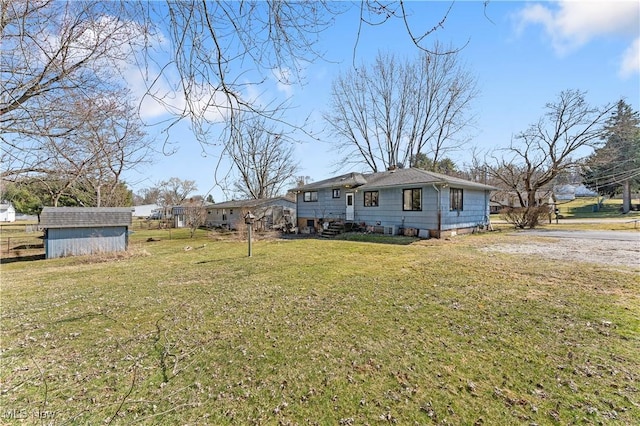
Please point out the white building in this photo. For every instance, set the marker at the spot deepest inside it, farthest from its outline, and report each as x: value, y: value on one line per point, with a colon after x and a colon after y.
x: 7, y: 212
x: 145, y: 210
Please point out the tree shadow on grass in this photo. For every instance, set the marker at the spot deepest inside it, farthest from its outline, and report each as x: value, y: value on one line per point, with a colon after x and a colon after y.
x: 15, y: 259
x: 377, y: 238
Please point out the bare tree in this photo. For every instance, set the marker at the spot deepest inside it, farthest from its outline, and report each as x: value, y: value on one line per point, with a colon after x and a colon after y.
x: 148, y: 195
x: 387, y: 114
x: 175, y: 190
x: 195, y: 214
x: 536, y: 156
x: 100, y: 142
x: 219, y: 49
x: 223, y: 53
x: 116, y: 142
x: 48, y: 50
x: 263, y: 157
x: 202, y: 60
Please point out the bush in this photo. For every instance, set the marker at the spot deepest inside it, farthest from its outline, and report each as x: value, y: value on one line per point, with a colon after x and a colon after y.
x: 524, y: 217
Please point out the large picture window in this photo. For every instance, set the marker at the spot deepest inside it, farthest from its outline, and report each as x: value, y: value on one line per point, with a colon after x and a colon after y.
x: 371, y: 198
x: 412, y: 199
x: 455, y: 199
x: 310, y: 196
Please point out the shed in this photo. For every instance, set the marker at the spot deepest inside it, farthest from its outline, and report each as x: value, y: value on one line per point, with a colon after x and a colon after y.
x: 7, y: 212
x: 75, y: 231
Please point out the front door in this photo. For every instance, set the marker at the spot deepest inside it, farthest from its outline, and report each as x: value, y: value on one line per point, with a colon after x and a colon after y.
x: 349, y: 211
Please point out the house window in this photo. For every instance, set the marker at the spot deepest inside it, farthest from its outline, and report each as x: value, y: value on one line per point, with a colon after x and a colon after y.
x: 455, y: 199
x: 371, y: 198
x: 412, y: 199
x: 310, y: 196
x: 336, y: 193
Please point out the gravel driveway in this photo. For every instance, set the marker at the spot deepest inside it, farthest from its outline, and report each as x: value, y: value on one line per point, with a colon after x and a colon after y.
x: 604, y: 247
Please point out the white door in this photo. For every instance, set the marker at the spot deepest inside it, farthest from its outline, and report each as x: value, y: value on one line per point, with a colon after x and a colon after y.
x: 349, y: 211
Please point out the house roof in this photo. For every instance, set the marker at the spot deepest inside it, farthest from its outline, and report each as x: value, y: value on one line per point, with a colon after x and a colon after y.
x: 349, y: 180
x: 390, y: 178
x: 84, y: 217
x: 251, y: 203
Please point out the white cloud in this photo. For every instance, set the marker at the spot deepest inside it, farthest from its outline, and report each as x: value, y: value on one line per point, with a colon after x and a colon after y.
x: 631, y: 60
x: 161, y: 94
x: 283, y: 80
x: 572, y: 24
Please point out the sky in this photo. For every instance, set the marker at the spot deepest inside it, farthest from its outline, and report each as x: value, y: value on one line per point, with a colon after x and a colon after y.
x: 523, y: 54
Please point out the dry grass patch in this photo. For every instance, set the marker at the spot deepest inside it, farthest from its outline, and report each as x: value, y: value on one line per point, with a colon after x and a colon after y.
x: 321, y: 332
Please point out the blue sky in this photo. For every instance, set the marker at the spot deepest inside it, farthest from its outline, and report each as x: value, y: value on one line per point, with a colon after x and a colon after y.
x: 523, y: 55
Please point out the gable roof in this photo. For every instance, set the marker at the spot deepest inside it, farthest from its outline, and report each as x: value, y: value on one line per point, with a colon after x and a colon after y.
x: 391, y: 178
x: 349, y: 180
x: 251, y: 203
x: 84, y: 217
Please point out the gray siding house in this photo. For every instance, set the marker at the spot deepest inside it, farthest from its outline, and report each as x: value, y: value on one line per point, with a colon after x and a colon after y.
x: 399, y: 201
x: 74, y: 231
x: 269, y: 212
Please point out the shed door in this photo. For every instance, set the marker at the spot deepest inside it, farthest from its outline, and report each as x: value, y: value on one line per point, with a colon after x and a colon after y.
x: 349, y: 211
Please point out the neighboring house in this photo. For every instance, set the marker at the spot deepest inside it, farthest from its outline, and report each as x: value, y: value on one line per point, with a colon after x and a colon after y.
x: 501, y: 199
x: 7, y: 212
x: 571, y: 191
x: 183, y: 216
x: 73, y: 231
x: 408, y: 201
x: 145, y: 210
x: 277, y: 212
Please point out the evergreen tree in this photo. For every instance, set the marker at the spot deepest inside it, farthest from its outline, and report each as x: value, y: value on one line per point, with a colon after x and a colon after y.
x: 615, y: 167
x: 445, y: 165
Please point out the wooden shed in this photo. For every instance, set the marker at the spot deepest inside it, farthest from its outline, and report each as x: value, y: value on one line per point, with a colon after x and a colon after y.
x: 74, y: 231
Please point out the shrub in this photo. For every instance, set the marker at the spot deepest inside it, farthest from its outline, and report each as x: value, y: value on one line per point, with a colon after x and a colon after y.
x: 524, y: 217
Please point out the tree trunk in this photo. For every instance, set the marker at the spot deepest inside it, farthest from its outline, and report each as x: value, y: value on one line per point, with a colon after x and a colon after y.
x: 626, y: 196
x: 99, y: 196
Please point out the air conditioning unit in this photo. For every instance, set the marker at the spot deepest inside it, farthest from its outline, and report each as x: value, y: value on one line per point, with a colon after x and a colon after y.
x: 390, y: 230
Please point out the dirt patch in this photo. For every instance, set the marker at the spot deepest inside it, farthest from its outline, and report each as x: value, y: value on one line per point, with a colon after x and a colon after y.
x: 576, y: 249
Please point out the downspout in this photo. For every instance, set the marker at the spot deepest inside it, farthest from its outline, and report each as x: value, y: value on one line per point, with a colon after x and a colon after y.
x: 439, y: 214
x: 487, y: 211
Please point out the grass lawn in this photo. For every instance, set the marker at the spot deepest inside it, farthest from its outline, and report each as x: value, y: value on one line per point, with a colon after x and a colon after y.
x: 310, y: 331
x: 586, y: 207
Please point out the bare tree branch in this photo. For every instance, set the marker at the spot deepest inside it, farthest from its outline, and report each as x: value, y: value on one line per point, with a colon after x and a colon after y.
x: 263, y: 157
x: 537, y: 155
x: 388, y: 113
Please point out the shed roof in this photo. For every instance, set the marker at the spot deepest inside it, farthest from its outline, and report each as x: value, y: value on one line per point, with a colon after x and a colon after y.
x: 84, y: 217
